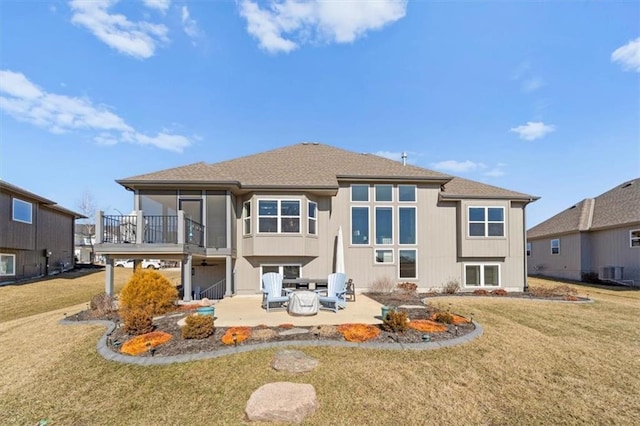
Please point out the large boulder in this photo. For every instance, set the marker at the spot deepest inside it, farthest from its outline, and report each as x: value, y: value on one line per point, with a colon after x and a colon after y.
x: 282, y: 402
x: 293, y: 361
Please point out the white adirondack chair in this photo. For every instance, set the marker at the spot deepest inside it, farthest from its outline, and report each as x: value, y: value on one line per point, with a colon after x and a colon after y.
x: 272, y: 290
x: 335, y: 293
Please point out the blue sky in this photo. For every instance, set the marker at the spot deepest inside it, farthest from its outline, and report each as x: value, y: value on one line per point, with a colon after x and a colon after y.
x: 538, y: 97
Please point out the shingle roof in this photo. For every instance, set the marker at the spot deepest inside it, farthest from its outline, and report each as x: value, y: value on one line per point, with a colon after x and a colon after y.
x: 616, y: 207
x: 311, y: 165
x: 8, y: 187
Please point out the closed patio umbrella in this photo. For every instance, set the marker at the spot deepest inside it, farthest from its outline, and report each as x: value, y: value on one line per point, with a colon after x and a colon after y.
x: 339, y: 252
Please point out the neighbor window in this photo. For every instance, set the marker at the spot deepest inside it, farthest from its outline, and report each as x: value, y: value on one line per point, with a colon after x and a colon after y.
x: 407, y: 264
x: 359, y: 225
x: 246, y: 214
x: 407, y: 193
x: 486, y: 221
x: 22, y: 211
x: 407, y: 224
x: 7, y: 264
x: 528, y: 249
x: 555, y: 246
x: 384, y: 192
x: 384, y: 256
x: 313, y: 218
x: 384, y: 225
x: 279, y: 216
x: 481, y: 275
x: 359, y: 192
x: 634, y: 238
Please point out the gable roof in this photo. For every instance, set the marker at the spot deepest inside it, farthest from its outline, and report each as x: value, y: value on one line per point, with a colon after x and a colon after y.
x: 617, y: 207
x: 7, y: 187
x: 310, y: 166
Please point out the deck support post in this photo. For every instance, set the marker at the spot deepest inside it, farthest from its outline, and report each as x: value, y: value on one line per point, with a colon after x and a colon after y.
x: 108, y: 276
x: 228, y: 276
x: 187, y: 264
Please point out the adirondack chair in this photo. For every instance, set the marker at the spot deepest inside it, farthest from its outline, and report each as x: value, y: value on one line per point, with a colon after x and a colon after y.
x: 272, y: 290
x: 335, y: 293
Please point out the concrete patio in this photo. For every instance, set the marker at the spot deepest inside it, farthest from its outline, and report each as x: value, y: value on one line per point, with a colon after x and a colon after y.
x: 247, y: 311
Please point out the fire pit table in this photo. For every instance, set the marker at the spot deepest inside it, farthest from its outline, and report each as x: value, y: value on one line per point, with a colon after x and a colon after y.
x: 303, y: 303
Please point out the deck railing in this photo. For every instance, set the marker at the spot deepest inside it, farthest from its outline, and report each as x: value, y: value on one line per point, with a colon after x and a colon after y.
x: 215, y: 292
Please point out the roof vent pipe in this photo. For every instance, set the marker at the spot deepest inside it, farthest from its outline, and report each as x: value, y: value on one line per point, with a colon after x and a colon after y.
x: 404, y: 158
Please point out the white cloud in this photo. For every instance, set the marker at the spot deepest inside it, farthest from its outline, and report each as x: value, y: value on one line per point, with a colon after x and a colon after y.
x: 628, y: 56
x: 532, y: 84
x: 25, y: 101
x: 189, y: 25
x: 458, y: 166
x: 137, y: 39
x: 495, y: 172
x: 533, y: 130
x: 161, y: 5
x: 283, y: 26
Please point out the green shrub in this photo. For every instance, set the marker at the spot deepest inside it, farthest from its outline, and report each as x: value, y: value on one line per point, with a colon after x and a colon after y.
x: 198, y: 327
x: 150, y: 291
x: 395, y: 321
x: 136, y: 321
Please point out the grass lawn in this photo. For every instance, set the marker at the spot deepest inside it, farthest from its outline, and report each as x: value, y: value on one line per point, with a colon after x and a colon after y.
x: 537, y: 363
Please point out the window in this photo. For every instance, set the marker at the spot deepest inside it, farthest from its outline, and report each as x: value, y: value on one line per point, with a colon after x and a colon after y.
x: 634, y: 238
x: 287, y: 271
x: 384, y: 192
x: 246, y: 214
x: 555, y: 246
x: 22, y: 211
x: 384, y: 256
x: 407, y: 224
x: 359, y: 225
x: 313, y: 218
x: 486, y: 221
x: 7, y: 264
x: 408, y: 264
x: 384, y: 225
x: 528, y: 249
x: 407, y: 193
x: 482, y: 275
x: 359, y: 192
x: 279, y: 216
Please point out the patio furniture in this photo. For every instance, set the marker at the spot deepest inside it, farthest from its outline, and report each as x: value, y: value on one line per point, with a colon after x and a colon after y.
x: 303, y: 303
x: 351, y: 291
x: 335, y: 293
x: 272, y: 290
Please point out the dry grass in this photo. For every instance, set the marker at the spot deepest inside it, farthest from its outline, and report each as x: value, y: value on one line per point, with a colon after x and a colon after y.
x: 537, y: 363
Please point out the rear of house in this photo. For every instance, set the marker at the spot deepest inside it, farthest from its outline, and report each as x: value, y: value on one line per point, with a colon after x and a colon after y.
x: 36, y: 235
x: 281, y: 211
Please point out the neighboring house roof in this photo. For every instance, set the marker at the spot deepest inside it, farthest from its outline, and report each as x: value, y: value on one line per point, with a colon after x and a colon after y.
x: 7, y: 187
x: 311, y: 166
x: 619, y: 206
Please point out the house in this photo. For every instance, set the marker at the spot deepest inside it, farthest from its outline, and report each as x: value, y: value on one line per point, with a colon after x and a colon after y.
x: 597, y: 237
x: 280, y: 211
x: 84, y: 238
x: 36, y: 235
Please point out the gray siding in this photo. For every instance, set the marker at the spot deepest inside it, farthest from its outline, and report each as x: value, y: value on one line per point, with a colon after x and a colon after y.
x: 611, y: 248
x: 564, y: 265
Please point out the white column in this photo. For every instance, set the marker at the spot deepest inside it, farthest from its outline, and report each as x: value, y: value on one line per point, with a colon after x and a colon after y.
x: 228, y: 276
x: 181, y: 234
x: 139, y: 227
x: 187, y: 264
x: 108, y: 276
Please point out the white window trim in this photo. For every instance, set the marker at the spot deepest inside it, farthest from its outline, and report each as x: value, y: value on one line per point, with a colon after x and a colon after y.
x: 375, y: 228
x: 375, y: 193
x: 279, y: 217
x: 309, y: 218
x: 13, y: 210
x: 486, y: 222
x: 417, y: 270
x: 245, y: 218
x: 528, y: 249
x: 280, y: 269
x: 631, y: 238
x: 415, y: 194
x: 393, y: 260
x: 551, y: 246
x: 368, y: 192
x: 415, y: 217
x: 368, y: 226
x: 482, y: 284
x: 13, y: 256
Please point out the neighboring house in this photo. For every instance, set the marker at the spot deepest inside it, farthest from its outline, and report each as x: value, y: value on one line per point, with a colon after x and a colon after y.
x: 230, y: 222
x: 596, y: 236
x: 36, y: 235
x: 84, y: 238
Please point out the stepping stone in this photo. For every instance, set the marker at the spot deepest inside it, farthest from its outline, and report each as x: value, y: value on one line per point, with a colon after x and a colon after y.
x: 282, y: 402
x: 293, y: 361
x: 293, y: 332
x: 412, y: 307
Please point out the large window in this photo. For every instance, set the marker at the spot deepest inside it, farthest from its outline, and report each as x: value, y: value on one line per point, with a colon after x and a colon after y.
x: 279, y: 216
x: 634, y: 238
x: 384, y: 225
x: 7, y: 264
x: 528, y: 249
x: 555, y: 246
x: 359, y: 192
x: 407, y: 193
x: 313, y: 218
x: 486, y: 221
x: 407, y: 264
x: 22, y: 211
x: 359, y: 225
x: 407, y: 224
x: 384, y: 192
x: 246, y: 217
x: 482, y: 275
x: 384, y: 256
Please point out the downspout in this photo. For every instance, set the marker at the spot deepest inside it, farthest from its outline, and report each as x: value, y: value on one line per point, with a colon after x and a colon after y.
x: 524, y: 235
